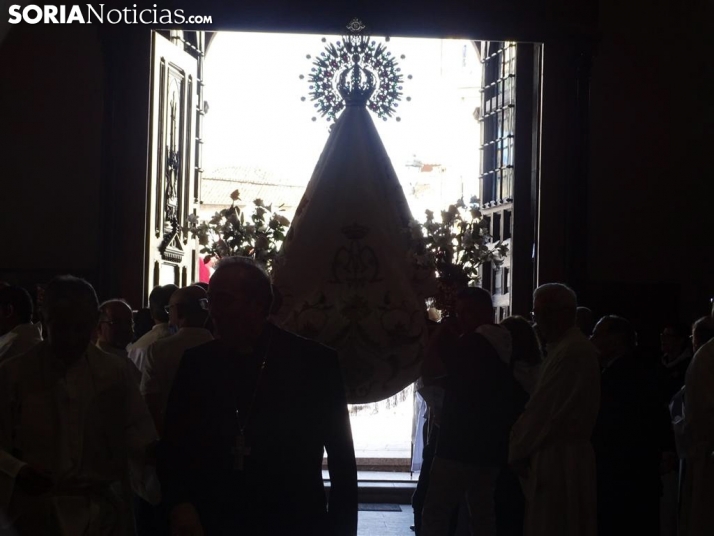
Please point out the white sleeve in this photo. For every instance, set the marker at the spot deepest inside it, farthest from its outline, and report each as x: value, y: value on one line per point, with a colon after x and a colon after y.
x: 138, y: 357
x: 150, y: 383
x: 140, y: 433
x: 544, y: 414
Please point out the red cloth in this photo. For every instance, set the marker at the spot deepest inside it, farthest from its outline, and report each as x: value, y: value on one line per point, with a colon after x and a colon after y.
x: 204, y: 274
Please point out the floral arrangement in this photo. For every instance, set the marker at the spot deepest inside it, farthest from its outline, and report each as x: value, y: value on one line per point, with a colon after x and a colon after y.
x: 233, y: 232
x: 454, y: 247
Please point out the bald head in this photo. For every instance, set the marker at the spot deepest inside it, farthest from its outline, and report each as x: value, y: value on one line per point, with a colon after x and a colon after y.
x: 186, y: 309
x: 110, y: 308
x: 247, y: 278
x: 554, y: 308
x: 190, y: 296
x: 557, y: 295
x: 240, y: 297
x: 70, y: 313
x: 116, y: 323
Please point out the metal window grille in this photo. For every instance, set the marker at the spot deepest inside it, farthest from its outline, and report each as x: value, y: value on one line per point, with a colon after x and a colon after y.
x: 498, y: 120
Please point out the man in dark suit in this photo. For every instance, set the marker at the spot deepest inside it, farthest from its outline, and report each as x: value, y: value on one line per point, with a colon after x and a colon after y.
x: 478, y: 412
x: 249, y: 417
x: 627, y: 435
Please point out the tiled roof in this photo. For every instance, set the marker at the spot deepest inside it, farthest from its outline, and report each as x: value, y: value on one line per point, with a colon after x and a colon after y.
x: 252, y: 183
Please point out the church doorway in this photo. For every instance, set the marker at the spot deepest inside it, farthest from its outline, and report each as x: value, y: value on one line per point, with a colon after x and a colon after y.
x: 229, y: 116
x: 260, y: 135
x: 260, y: 139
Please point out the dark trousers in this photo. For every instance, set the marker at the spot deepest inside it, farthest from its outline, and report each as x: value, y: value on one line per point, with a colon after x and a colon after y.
x: 510, y: 504
x: 150, y: 520
x: 627, y: 507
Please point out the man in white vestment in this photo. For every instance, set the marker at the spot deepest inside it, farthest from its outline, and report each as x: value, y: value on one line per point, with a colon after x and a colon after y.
x: 72, y: 423
x: 187, y: 314
x: 17, y: 332
x: 550, y: 443
x: 699, y: 426
x: 158, y: 302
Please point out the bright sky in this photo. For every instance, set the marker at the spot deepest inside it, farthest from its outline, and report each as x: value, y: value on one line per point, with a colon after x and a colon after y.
x: 256, y: 117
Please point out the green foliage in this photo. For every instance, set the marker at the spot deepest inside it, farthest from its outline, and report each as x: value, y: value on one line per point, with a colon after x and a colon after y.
x: 232, y: 232
x: 456, y: 245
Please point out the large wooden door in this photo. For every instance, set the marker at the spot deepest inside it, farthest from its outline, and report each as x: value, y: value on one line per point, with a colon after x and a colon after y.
x: 171, y: 253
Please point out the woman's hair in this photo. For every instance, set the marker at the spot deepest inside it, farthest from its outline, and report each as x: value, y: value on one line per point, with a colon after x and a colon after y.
x: 526, y: 347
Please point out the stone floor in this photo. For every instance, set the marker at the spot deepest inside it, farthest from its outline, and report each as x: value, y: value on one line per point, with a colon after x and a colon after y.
x: 398, y: 523
x: 381, y: 476
x: 386, y: 435
x: 386, y: 523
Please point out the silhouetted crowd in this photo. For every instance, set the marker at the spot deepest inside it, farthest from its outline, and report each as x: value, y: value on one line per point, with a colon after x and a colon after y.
x: 563, y: 425
x: 196, y: 416
x: 199, y: 416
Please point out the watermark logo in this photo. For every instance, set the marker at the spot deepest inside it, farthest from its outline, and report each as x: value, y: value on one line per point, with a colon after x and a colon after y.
x: 97, y: 14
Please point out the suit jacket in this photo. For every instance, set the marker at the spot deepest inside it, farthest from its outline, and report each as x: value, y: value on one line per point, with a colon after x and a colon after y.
x: 298, y: 412
x: 626, y: 437
x: 481, y: 404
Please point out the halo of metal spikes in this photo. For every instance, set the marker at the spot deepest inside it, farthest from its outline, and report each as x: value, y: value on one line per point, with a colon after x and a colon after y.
x: 355, y: 70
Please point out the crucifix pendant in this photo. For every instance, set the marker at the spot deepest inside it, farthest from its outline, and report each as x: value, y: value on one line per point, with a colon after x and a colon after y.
x: 240, y: 452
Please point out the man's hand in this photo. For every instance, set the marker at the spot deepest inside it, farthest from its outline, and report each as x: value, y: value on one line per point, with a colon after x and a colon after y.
x: 185, y: 521
x: 33, y: 481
